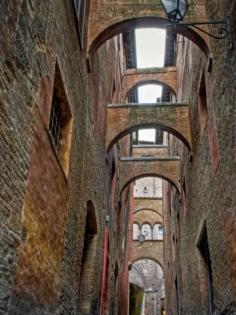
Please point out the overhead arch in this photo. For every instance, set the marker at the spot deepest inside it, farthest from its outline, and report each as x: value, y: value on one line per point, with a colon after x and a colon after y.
x: 160, y: 125
x: 149, y: 258
x: 148, y: 209
x: 166, y: 76
x: 122, y: 119
x: 148, y: 175
x: 124, y: 25
x: 144, y: 82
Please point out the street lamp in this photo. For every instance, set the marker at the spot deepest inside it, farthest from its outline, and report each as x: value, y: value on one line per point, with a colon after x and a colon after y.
x: 177, y: 9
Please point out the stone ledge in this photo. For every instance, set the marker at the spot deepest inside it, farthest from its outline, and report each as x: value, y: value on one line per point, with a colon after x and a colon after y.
x: 149, y: 158
x: 161, y: 104
x: 135, y: 71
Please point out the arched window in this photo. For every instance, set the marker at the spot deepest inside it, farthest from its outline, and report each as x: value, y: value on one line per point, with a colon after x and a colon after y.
x: 146, y: 231
x: 158, y: 231
x: 136, y: 231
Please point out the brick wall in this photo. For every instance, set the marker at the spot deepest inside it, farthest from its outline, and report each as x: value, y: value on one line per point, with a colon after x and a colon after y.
x: 209, y: 180
x: 43, y: 213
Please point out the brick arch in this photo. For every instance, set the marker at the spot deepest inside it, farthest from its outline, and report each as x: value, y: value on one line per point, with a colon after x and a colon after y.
x: 166, y: 128
x: 136, y: 222
x: 147, y: 82
x: 171, y: 181
x: 158, y: 222
x: 122, y: 119
x: 146, y: 222
x: 101, y: 33
x: 149, y: 258
x: 149, y: 209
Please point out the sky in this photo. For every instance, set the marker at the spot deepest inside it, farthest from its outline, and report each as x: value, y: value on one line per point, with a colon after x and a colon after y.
x: 150, y: 47
x: 150, y: 50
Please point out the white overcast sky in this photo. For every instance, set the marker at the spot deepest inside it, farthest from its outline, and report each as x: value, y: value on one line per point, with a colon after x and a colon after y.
x: 150, y: 50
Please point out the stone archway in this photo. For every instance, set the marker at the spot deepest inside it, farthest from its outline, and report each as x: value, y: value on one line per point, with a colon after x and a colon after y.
x: 107, y: 23
x: 171, y: 117
x: 135, y: 78
x: 132, y: 169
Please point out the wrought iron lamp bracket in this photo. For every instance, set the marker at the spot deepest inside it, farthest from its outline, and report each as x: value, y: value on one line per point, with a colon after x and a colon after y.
x: 223, y: 29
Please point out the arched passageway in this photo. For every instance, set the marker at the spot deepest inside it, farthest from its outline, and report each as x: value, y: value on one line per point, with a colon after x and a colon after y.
x: 146, y: 278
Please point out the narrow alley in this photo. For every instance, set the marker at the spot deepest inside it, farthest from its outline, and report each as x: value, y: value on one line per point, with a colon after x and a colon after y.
x: 118, y: 157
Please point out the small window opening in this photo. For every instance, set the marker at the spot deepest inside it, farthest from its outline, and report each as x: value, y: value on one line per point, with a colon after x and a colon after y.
x: 158, y: 232
x: 177, y: 296
x: 202, y: 104
x: 185, y: 204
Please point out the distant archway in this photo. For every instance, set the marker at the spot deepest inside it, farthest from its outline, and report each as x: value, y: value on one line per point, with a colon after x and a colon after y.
x: 148, y: 209
x: 147, y: 82
x: 148, y: 175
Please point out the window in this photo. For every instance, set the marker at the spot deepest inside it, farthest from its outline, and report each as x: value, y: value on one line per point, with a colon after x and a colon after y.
x: 202, y: 104
x: 136, y: 231
x: 177, y: 296
x: 80, y: 12
x: 158, y: 231
x: 60, y: 123
x: 185, y: 203
x: 146, y: 231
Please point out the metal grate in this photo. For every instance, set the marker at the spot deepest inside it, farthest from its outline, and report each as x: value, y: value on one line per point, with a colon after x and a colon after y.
x: 55, y: 123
